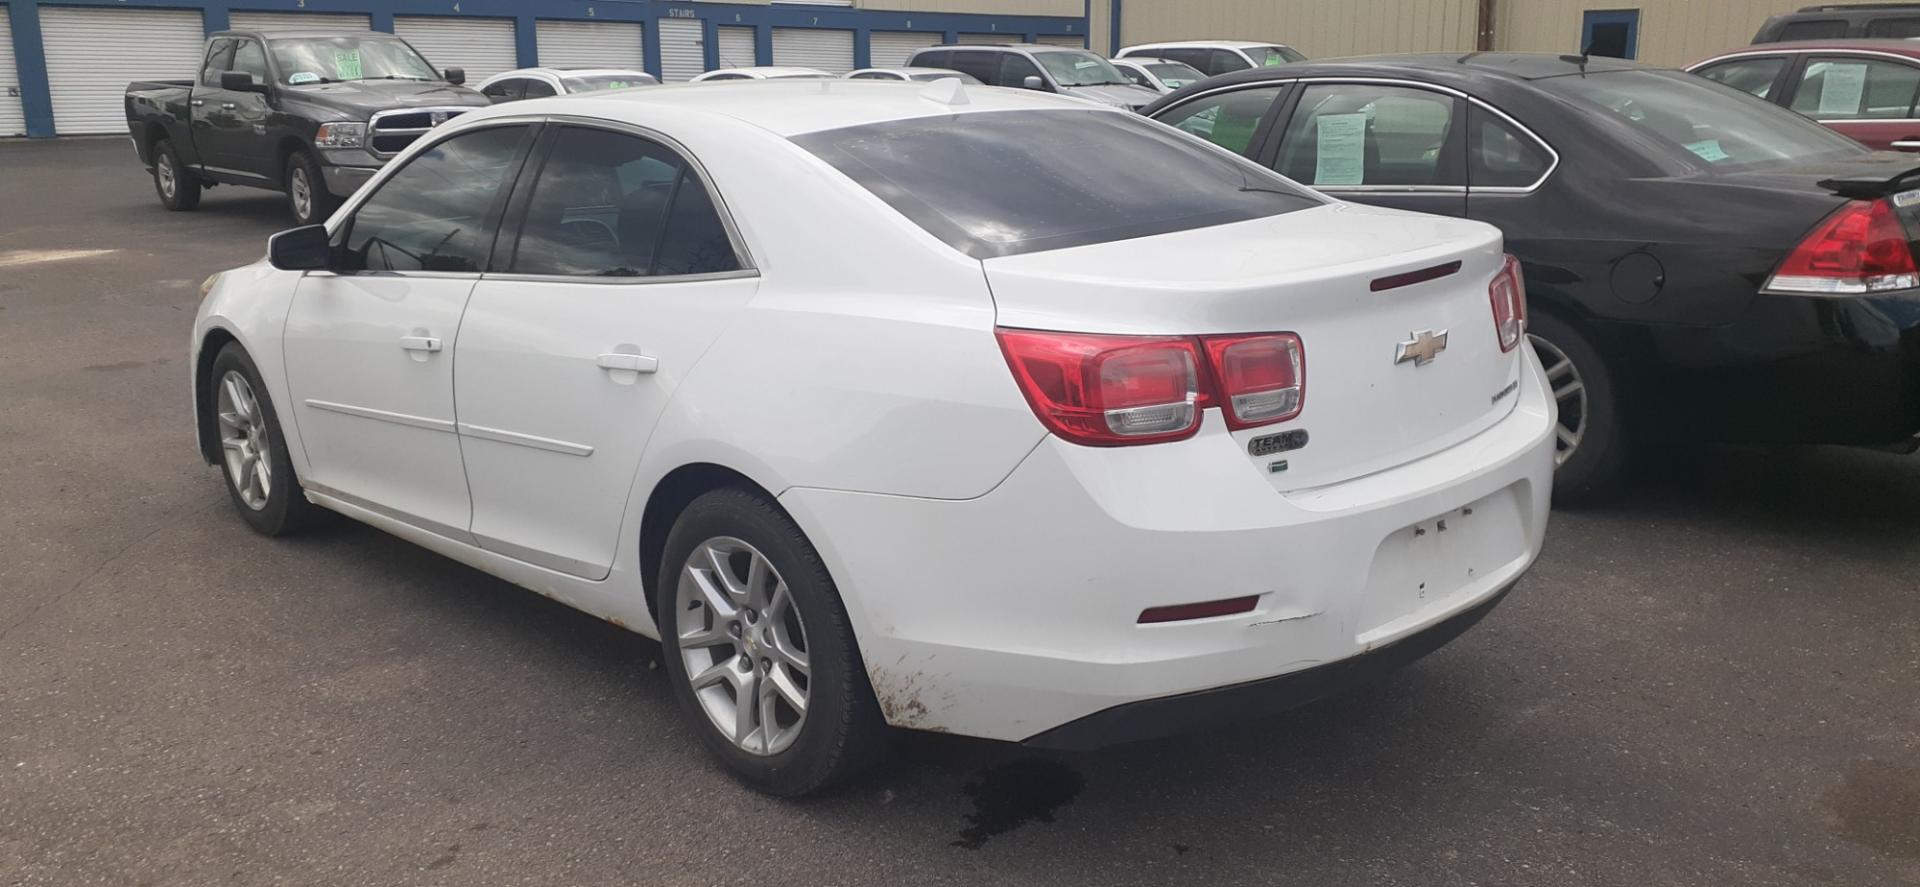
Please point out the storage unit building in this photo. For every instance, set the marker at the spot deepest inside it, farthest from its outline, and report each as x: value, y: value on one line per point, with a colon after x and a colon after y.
x: 91, y: 53
x: 482, y: 47
x: 891, y: 49
x: 829, y: 50
x: 592, y: 44
x: 13, y: 118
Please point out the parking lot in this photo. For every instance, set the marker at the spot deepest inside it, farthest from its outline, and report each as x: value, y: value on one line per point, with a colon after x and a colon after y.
x: 1713, y: 680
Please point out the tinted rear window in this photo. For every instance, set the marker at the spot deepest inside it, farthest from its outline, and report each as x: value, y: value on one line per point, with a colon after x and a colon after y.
x: 1001, y: 183
x: 1813, y: 29
x: 1703, y: 120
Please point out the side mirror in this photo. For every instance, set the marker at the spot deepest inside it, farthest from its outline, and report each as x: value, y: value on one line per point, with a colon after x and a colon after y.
x: 455, y: 76
x: 240, y: 81
x: 1033, y: 82
x: 307, y: 248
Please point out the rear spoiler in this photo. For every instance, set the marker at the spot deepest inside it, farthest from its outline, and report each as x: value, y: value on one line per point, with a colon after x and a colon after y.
x: 1869, y: 188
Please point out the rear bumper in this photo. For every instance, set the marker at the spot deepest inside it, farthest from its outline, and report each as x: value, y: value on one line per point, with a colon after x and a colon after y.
x: 1790, y: 370
x: 1222, y: 706
x: 1016, y: 613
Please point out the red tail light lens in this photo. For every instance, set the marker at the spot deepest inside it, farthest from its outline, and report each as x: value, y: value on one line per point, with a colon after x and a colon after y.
x: 1508, y: 291
x: 1108, y: 390
x: 1861, y: 248
x: 1263, y: 379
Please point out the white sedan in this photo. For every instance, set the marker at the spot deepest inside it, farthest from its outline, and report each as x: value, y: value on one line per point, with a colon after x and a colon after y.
x: 911, y: 407
x: 763, y: 72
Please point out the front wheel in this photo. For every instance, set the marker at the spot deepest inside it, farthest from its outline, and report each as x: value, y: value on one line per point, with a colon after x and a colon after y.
x: 307, y: 195
x: 1590, y: 450
x: 759, y: 648
x: 178, y: 188
x: 254, y: 457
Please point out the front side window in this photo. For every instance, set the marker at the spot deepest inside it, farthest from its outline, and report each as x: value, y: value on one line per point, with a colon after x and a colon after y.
x: 1856, y: 89
x: 1223, y: 61
x: 249, y: 58
x: 1078, y: 68
x: 1351, y: 134
x: 219, y: 56
x: 608, y: 204
x: 1270, y: 56
x: 345, y: 57
x: 1697, y: 119
x: 505, y: 90
x: 1002, y: 183
x: 1753, y: 76
x: 1134, y: 74
x: 436, y: 213
x: 1500, y: 155
x: 1016, y: 68
x: 1175, y: 74
x: 1229, y: 119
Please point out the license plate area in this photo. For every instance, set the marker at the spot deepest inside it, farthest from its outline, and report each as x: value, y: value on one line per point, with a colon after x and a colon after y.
x: 1420, y: 570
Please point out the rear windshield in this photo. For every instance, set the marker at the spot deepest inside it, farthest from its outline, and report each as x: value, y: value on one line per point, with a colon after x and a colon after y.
x: 1002, y: 183
x: 1703, y: 120
x: 597, y: 82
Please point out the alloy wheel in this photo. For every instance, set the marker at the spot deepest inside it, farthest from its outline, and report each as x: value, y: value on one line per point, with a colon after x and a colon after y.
x: 743, y: 645
x: 163, y: 170
x: 243, y: 441
x: 301, y: 191
x: 1570, y: 392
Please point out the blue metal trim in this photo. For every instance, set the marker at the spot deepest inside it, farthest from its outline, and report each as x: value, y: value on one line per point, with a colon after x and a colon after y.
x: 763, y: 44
x: 650, y: 46
x: 709, y: 44
x: 525, y: 44
x: 36, y: 100
x: 1113, y: 27
x: 214, y: 18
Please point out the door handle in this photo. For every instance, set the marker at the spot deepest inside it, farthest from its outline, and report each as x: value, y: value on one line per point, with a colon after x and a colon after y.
x: 420, y: 343
x: 632, y: 363
x: 1907, y: 145
x: 198, y: 103
x: 228, y: 105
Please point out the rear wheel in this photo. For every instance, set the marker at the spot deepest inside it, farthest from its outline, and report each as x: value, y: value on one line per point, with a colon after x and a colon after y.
x: 307, y: 195
x: 177, y: 186
x: 1590, y: 451
x: 759, y: 648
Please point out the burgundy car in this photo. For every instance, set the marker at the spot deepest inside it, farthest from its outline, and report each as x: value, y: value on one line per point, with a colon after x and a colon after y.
x: 1864, y: 88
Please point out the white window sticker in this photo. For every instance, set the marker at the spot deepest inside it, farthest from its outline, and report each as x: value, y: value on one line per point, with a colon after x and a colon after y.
x: 1342, y: 150
x: 1840, y: 89
x: 1708, y: 150
x: 303, y: 77
x: 1905, y: 199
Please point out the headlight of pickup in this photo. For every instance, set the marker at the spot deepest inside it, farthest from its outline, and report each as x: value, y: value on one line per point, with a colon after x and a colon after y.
x: 340, y: 135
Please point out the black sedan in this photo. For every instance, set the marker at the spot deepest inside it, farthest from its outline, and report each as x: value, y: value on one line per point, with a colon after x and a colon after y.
x: 1700, y: 264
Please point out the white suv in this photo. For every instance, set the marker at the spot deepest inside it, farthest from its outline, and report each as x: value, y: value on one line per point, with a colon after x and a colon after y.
x: 1215, y: 57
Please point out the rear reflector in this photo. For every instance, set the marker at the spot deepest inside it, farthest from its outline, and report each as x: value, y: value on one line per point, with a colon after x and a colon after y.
x: 1508, y: 292
x: 1203, y: 610
x: 1412, y: 277
x: 1861, y: 248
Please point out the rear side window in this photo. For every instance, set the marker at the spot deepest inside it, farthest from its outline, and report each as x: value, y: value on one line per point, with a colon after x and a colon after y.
x: 1003, y: 183
x: 1700, y: 120
x: 1751, y: 76
x: 981, y: 65
x: 1813, y: 29
x: 1499, y: 155
x: 1856, y: 89
x: 1348, y: 134
x: 1220, y: 61
x: 1898, y: 28
x: 939, y: 58
x: 437, y: 212
x: 539, y: 89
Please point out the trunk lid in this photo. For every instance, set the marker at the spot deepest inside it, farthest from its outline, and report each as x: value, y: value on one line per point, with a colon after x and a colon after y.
x: 1312, y: 273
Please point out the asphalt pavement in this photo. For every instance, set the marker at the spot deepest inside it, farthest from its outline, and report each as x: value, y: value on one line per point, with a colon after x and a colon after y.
x: 1713, y: 680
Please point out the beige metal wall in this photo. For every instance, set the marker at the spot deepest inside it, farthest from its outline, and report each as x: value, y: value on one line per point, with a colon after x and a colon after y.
x: 1073, y: 8
x: 1672, y: 32
x: 1319, y: 28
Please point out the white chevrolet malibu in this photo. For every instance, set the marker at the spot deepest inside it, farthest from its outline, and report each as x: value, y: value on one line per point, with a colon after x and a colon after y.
x: 971, y: 410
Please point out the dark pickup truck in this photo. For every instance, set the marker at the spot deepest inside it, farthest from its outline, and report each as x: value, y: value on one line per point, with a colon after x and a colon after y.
x: 309, y: 113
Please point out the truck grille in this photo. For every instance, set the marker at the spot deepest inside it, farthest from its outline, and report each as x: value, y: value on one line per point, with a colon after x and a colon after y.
x: 391, y: 131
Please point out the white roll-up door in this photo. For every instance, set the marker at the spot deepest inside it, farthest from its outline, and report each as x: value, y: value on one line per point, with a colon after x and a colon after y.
x: 736, y: 48
x: 1064, y: 40
x: 482, y: 47
x: 682, y: 52
x: 829, y: 50
x: 93, y: 52
x: 989, y: 38
x: 592, y: 44
x: 268, y: 21
x: 13, y: 120
x: 891, y: 49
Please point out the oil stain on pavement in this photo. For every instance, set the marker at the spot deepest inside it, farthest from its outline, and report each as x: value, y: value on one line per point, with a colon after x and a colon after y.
x: 1879, y: 807
x: 1010, y: 795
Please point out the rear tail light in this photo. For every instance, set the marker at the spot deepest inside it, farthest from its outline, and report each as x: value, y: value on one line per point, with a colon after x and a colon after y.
x: 1120, y: 390
x: 1508, y: 291
x: 1861, y: 248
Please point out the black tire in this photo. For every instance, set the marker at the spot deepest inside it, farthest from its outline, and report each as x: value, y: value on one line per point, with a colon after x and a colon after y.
x: 319, y: 203
x: 285, y: 509
x: 843, y: 732
x: 1595, y: 468
x: 178, y: 187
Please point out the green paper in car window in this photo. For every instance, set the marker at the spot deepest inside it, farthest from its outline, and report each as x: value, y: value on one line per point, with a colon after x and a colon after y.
x: 346, y: 65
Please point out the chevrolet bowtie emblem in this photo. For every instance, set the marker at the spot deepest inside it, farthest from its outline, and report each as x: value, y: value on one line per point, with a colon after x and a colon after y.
x: 1421, y: 348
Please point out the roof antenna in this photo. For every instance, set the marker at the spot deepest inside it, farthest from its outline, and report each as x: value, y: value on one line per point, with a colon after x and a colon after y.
x: 946, y: 91
x: 1580, y: 59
